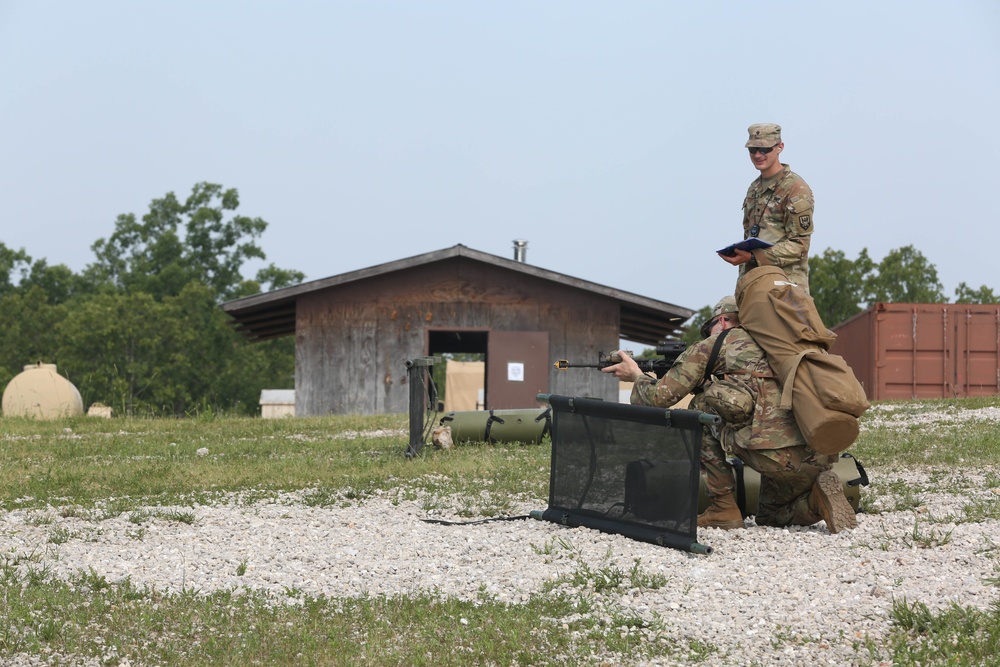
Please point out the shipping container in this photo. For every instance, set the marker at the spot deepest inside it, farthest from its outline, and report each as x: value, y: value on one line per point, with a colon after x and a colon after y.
x: 923, y: 350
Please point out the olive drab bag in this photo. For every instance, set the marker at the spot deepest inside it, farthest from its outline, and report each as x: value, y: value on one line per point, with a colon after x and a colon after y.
x: 729, y: 397
x: 820, y: 388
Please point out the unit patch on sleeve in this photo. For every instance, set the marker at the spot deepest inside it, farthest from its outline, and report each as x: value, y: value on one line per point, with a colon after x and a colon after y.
x: 805, y: 222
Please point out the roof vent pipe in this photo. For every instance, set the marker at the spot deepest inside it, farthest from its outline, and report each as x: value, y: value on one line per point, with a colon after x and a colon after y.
x: 520, y: 250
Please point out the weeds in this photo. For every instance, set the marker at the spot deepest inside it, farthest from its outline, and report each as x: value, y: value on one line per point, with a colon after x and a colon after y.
x: 90, y: 617
x: 955, y: 635
x: 639, y: 578
x: 926, y: 539
x: 981, y: 508
x: 148, y: 471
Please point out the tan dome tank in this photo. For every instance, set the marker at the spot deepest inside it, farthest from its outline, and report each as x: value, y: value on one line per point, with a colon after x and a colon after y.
x: 41, y: 393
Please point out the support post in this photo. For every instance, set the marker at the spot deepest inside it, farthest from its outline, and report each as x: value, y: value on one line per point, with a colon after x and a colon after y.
x: 417, y: 372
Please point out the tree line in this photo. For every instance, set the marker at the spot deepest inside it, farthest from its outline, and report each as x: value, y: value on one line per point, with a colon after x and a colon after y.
x: 843, y: 287
x: 140, y: 328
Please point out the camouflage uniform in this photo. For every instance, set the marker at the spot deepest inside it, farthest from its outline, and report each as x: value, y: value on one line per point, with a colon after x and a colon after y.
x: 781, y: 210
x: 768, y: 440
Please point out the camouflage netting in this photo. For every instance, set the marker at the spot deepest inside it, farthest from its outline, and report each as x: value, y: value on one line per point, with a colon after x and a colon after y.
x: 626, y: 469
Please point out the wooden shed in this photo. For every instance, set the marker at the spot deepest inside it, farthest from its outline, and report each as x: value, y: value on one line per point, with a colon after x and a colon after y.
x: 355, y: 331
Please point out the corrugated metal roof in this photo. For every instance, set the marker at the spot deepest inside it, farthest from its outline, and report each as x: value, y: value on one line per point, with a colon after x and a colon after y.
x: 271, y: 315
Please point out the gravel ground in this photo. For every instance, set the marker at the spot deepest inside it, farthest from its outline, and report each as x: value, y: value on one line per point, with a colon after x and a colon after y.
x: 765, y: 596
x: 820, y: 593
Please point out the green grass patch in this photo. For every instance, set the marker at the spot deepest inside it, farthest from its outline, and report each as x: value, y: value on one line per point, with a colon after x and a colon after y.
x: 154, y: 470
x: 900, y: 434
x: 91, y: 618
x: 955, y: 636
x: 86, y: 462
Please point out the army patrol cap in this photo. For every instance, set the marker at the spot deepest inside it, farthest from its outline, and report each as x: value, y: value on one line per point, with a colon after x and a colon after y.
x: 764, y: 135
x: 727, y: 304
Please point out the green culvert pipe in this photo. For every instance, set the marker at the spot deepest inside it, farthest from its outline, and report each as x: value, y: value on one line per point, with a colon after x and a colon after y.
x: 527, y: 426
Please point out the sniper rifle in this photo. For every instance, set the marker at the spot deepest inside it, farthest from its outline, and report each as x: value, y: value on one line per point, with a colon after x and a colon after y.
x: 668, y: 351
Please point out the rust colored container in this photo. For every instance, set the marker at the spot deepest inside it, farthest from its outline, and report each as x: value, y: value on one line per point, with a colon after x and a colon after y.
x: 923, y: 350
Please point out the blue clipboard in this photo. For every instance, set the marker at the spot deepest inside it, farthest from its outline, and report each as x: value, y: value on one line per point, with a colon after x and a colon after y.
x: 749, y: 244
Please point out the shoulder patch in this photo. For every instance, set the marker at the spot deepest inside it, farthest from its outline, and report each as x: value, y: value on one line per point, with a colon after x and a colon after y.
x: 799, y: 204
x: 805, y: 222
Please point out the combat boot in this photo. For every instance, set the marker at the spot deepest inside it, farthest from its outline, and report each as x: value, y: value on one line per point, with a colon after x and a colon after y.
x: 722, y: 513
x: 828, y: 500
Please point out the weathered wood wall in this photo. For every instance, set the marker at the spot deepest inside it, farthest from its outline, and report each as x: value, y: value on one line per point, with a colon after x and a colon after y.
x: 352, y: 341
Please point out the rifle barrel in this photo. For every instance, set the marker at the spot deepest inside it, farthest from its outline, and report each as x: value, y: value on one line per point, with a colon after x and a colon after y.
x: 668, y: 351
x: 562, y: 365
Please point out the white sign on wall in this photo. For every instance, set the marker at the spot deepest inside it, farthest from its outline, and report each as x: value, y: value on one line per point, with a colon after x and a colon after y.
x: 515, y: 371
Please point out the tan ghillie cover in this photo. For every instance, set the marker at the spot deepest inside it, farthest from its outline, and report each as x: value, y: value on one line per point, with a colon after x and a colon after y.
x: 820, y: 387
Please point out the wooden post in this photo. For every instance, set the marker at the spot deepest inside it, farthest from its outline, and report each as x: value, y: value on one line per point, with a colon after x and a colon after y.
x: 417, y: 375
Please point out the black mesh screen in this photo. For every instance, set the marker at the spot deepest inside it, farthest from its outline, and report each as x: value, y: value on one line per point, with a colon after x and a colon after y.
x: 626, y: 469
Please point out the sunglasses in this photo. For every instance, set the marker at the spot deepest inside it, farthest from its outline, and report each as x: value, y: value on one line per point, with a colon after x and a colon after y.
x: 707, y: 326
x: 762, y: 151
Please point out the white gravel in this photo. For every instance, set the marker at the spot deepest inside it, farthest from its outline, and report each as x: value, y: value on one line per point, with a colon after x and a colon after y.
x: 764, y: 597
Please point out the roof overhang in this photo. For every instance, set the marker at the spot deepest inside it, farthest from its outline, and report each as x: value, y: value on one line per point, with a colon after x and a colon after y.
x: 272, y: 315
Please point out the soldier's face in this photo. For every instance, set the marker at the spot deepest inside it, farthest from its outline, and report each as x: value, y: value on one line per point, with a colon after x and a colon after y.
x: 767, y: 164
x: 721, y: 323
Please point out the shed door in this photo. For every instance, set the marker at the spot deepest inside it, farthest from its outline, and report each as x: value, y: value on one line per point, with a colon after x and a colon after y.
x: 517, y: 369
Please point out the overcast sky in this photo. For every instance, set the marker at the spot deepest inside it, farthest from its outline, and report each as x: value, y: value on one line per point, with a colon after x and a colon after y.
x: 608, y: 135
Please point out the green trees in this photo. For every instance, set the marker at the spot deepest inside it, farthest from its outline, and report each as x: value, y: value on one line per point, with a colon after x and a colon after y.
x: 904, y: 276
x: 28, y: 334
x: 692, y: 332
x: 140, y: 328
x: 837, y: 284
x: 843, y: 288
x: 11, y: 261
x: 965, y: 294
x: 153, y: 256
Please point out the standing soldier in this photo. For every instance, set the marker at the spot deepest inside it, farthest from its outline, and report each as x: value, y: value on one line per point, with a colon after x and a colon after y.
x: 778, y: 208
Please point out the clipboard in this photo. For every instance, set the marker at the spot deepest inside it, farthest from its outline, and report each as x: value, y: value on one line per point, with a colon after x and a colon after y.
x: 750, y: 244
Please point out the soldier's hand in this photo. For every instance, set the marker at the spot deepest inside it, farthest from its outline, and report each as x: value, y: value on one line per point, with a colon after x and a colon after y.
x: 626, y: 369
x: 738, y: 257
